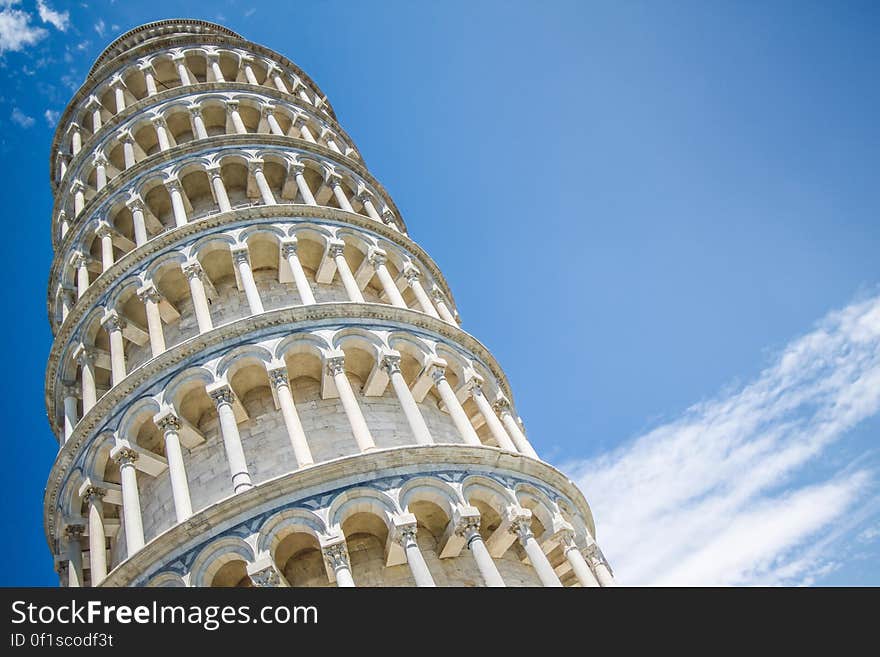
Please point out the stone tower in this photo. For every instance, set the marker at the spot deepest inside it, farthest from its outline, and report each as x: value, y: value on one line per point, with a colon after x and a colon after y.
x: 258, y: 378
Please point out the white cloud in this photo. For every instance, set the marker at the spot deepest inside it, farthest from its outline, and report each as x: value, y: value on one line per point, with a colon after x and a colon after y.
x: 711, y: 498
x: 100, y: 27
x: 51, y: 117
x: 60, y: 20
x: 16, y: 30
x: 21, y: 118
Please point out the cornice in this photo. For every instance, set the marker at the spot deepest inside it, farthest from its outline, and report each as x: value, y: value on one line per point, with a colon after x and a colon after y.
x: 149, y: 102
x: 331, y: 475
x: 298, y: 318
x: 96, y: 77
x: 210, y: 145
x: 123, y: 265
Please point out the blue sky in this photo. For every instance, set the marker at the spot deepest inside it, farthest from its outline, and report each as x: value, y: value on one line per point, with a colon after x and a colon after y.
x: 661, y: 217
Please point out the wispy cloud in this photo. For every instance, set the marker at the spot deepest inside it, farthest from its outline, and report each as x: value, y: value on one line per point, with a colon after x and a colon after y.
x: 719, y: 496
x: 51, y: 117
x: 100, y: 27
x: 60, y: 20
x: 16, y: 30
x: 21, y: 118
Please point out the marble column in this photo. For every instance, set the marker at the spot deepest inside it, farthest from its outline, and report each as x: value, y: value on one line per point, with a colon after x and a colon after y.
x: 296, y: 434
x: 469, y: 529
x: 131, y: 503
x: 337, y: 557
x: 495, y: 427
x: 94, y: 498
x: 256, y: 167
x: 442, y: 308
x: 127, y: 141
x: 136, y: 206
x: 73, y: 551
x: 406, y: 536
x: 198, y: 122
x: 502, y: 406
x: 235, y: 117
x: 336, y: 251
x: 391, y: 364
x: 243, y: 264
x: 288, y: 252
x: 413, y: 277
x: 459, y: 417
x: 521, y: 526
x: 114, y: 324
x: 175, y: 191
x: 170, y: 426
x: 105, y: 234
x: 223, y: 398
x: 362, y: 435
x: 577, y: 562
x: 214, y: 174
x: 600, y: 566
x: 303, y: 186
x: 86, y: 358
x: 150, y: 297
x: 161, y: 132
x: 335, y: 184
x: 378, y: 260
x: 194, y: 273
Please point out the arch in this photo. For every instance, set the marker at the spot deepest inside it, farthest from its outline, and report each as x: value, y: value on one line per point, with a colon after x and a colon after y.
x: 166, y: 580
x: 217, y: 554
x: 278, y: 526
x: 429, y: 489
x: 361, y: 500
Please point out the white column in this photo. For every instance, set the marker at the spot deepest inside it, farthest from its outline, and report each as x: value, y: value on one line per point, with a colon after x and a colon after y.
x: 223, y: 398
x: 577, y: 562
x: 362, y: 435
x: 279, y: 380
x: 214, y: 63
x: 149, y: 78
x: 182, y: 73
x: 194, y: 272
x: 337, y: 557
x: 378, y: 259
x: 495, y: 426
x: 175, y: 191
x: 73, y: 551
x: 288, y: 251
x: 406, y: 536
x: 79, y: 196
x: 75, y: 139
x: 94, y: 497
x: 86, y: 359
x: 68, y: 299
x: 303, y: 186
x: 600, y: 566
x: 161, y: 132
x: 302, y: 92
x: 262, y: 184
x: 100, y: 163
x: 469, y: 528
x: 274, y: 127
x: 214, y: 174
x: 118, y: 94
x: 198, y: 121
x: 169, y: 424
x: 513, y: 430
x: 327, y: 135
x: 237, y: 123
x: 240, y: 258
x: 369, y: 208
x: 336, y: 185
x: 127, y: 141
x: 459, y: 417
x: 413, y: 278
x: 304, y: 131
x: 136, y: 207
x: 65, y: 224
x: 81, y: 263
x: 391, y: 364
x: 249, y: 71
x: 131, y: 503
x: 95, y: 105
x: 521, y: 527
x: 105, y: 233
x: 442, y: 308
x: 335, y: 251
x: 150, y: 297
x: 274, y: 73
x: 114, y: 324
x: 70, y: 411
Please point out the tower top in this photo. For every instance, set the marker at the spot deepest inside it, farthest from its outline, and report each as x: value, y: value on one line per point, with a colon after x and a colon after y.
x: 156, y: 29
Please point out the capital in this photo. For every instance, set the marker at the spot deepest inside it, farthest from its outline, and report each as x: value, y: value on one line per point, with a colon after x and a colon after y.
x: 213, y: 171
x: 467, y: 527
x: 501, y: 406
x: 100, y: 160
x: 85, y: 355
x: 278, y: 377
x: 405, y: 534
x: 146, y: 66
x: 336, y: 249
x: 256, y: 166
x: 240, y: 255
x: 158, y: 121
x: 222, y: 395
x: 266, y: 578
x: 172, y: 185
x: 288, y: 248
x: 125, y: 137
x: 378, y: 259
x: 521, y: 525
x: 438, y: 373
x: 231, y: 106
x: 74, y: 532
x: 126, y: 456
x: 336, y: 555
x: 391, y: 363
x: 93, y: 103
x: 336, y: 365
x: 192, y: 269
x: 266, y: 109
x: 411, y: 274
x: 135, y: 204
x: 333, y: 181
x: 388, y: 216
x: 94, y: 494
x: 104, y: 230
x: 168, y: 421
x: 112, y: 321
x: 194, y: 110
x: 79, y: 260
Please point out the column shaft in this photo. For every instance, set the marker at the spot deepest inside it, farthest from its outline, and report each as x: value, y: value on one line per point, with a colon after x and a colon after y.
x: 459, y: 417
x: 131, y: 505
x: 299, y: 275
x: 241, y: 477
x: 97, y: 540
x: 359, y: 428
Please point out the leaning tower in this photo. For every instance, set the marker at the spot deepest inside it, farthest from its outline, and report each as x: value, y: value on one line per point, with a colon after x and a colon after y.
x: 257, y: 377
